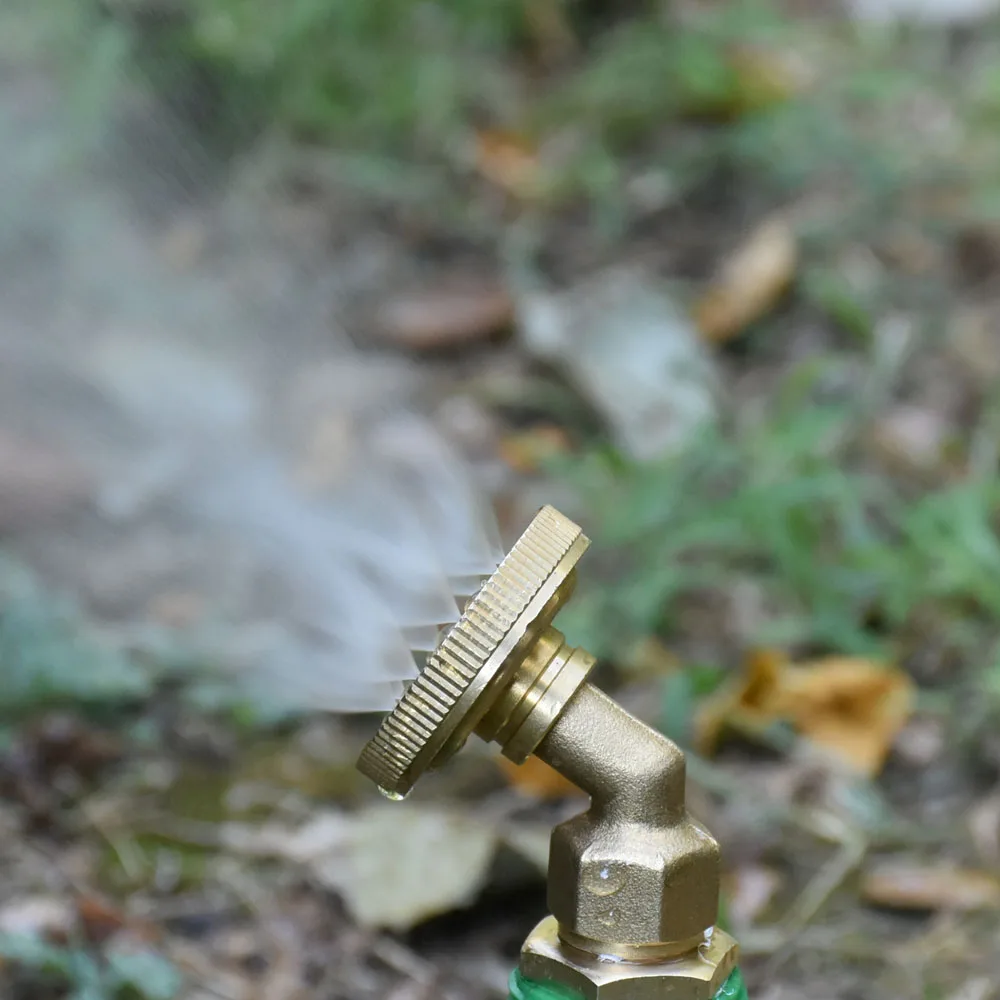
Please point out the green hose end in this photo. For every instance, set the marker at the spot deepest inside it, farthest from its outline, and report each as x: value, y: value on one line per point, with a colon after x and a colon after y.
x: 733, y: 988
x: 528, y: 989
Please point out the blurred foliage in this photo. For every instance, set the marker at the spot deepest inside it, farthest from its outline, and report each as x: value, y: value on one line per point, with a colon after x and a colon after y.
x: 398, y: 91
x: 49, y: 654
x: 118, y: 975
x: 722, y: 85
x: 786, y: 504
x: 783, y: 500
x: 387, y: 73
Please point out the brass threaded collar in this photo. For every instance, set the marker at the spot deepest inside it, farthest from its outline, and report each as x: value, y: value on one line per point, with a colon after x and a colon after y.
x: 445, y: 702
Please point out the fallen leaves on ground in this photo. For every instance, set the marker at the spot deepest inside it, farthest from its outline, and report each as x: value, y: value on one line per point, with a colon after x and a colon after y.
x: 453, y: 315
x: 395, y: 866
x: 749, y: 283
x: 510, y: 161
x: 51, y: 759
x: 527, y: 451
x: 631, y: 352
x: 851, y: 706
x: 101, y: 920
x: 537, y: 779
x: 913, y: 886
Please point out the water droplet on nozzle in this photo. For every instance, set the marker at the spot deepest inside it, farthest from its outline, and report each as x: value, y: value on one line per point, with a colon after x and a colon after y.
x: 391, y: 795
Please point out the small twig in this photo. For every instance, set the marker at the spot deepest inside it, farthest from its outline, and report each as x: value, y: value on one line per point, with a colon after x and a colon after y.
x: 824, y: 883
x: 401, y: 959
x: 817, y: 892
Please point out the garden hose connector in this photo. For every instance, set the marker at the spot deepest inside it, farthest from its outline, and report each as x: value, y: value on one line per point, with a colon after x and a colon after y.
x: 633, y: 884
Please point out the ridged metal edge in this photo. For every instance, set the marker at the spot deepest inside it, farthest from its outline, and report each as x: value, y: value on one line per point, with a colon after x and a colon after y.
x: 466, y: 648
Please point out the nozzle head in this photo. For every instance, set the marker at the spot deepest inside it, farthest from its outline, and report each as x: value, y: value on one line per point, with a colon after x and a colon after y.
x: 475, y: 659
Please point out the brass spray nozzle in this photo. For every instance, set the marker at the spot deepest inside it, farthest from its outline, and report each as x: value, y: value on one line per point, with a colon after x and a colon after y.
x: 634, y: 881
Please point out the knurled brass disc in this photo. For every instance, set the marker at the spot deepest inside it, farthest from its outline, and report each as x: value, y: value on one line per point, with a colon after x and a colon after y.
x: 449, y: 697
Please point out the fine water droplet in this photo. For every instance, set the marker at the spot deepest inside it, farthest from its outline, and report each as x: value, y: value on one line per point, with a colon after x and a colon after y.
x: 391, y: 795
x: 605, y: 882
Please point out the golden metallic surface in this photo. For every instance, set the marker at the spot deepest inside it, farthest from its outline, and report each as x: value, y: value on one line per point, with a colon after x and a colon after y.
x: 528, y: 707
x: 696, y: 975
x: 634, y: 869
x: 634, y: 881
x: 461, y: 678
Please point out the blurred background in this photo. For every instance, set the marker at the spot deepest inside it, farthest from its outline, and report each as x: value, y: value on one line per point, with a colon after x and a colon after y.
x: 305, y: 308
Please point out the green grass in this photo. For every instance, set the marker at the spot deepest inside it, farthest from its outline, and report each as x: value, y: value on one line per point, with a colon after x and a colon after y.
x: 847, y: 558
x: 50, y: 655
x: 407, y: 84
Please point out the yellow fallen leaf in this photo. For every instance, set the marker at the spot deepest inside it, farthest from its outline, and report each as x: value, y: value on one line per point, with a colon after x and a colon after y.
x: 851, y: 706
x: 510, y: 161
x: 535, y: 778
x: 914, y: 886
x: 750, y: 282
x: 746, y: 701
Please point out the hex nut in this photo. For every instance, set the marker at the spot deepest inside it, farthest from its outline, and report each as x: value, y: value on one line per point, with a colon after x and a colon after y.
x: 630, y: 883
x: 696, y: 976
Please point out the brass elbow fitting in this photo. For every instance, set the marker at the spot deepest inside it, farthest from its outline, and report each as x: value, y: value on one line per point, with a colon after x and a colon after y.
x: 633, y: 882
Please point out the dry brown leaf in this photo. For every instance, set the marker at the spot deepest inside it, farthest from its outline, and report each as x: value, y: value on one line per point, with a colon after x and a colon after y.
x: 746, y: 701
x: 394, y: 865
x: 100, y: 921
x: 526, y: 451
x: 749, y: 283
x: 510, y: 161
x: 535, y: 778
x: 450, y: 316
x: 913, y: 886
x: 851, y: 706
